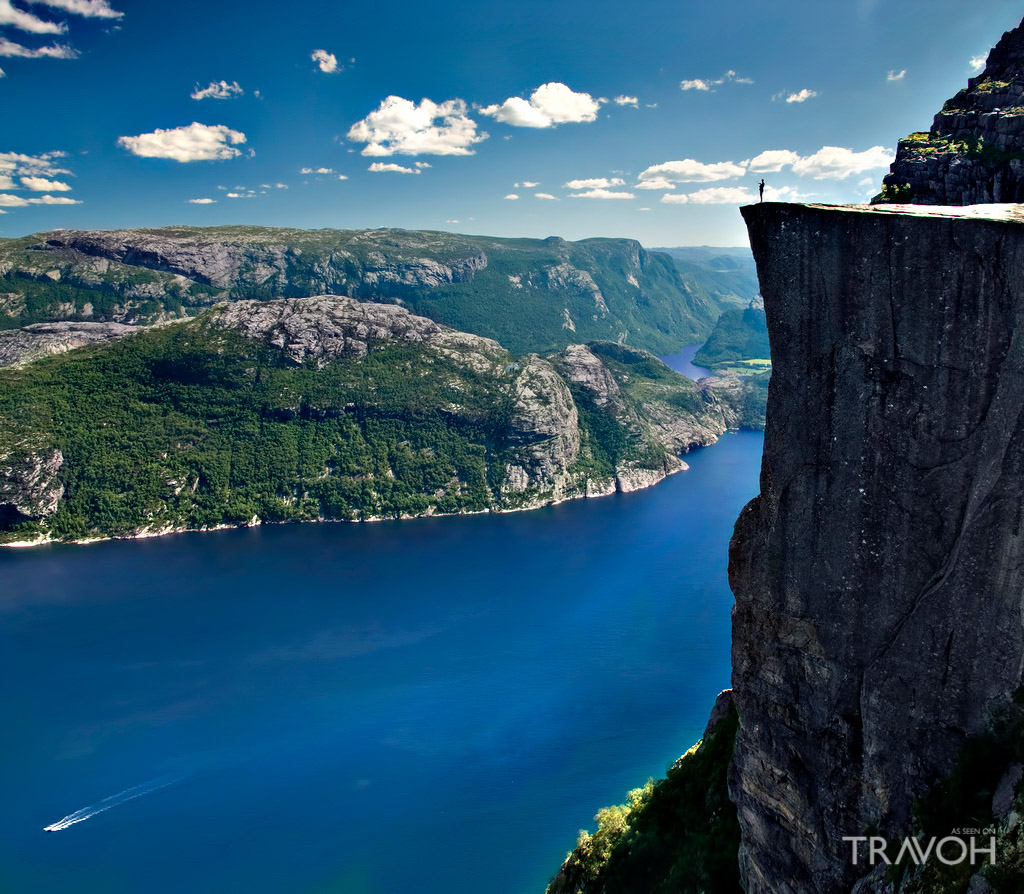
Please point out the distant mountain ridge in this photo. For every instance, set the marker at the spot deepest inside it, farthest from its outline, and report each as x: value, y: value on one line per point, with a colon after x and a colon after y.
x: 529, y: 294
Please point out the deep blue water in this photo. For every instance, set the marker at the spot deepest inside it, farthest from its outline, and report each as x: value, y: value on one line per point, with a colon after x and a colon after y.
x: 683, y: 362
x: 432, y: 706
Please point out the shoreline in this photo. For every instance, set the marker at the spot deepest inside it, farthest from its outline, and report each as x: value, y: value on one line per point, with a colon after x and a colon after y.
x: 255, y: 522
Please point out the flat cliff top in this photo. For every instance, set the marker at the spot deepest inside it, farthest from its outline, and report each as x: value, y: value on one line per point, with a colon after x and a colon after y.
x: 1004, y: 211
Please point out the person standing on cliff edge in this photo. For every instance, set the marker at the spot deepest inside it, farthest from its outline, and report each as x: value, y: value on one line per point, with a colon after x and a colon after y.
x: 760, y: 189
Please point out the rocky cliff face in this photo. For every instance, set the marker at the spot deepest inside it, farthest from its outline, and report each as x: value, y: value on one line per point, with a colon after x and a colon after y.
x: 974, y: 152
x: 609, y: 289
x: 18, y: 346
x: 878, y: 576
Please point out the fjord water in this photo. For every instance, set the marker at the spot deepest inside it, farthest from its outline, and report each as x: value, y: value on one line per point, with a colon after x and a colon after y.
x: 430, y: 706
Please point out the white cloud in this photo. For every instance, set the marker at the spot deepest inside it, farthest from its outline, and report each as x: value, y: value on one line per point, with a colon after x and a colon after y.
x: 53, y: 51
x: 549, y: 105
x: 545, y: 195
x: 41, y: 184
x: 601, y: 193
x: 595, y: 183
x: 32, y: 169
x: 627, y: 101
x: 316, y: 170
x: 202, y: 201
x: 25, y: 21
x: 90, y: 9
x: 771, y: 161
x: 379, y: 167
x: 423, y: 164
x: 327, y: 62
x: 715, y: 195
x: 643, y: 209
x: 977, y: 63
x: 511, y: 197
x: 195, y: 142
x: 836, y: 163
x: 691, y: 171
x: 218, y: 90
x: 3, y: 74
x: 707, y: 84
x: 400, y: 127
x: 894, y: 75
x: 802, y: 95
x: 9, y: 201
x: 655, y: 183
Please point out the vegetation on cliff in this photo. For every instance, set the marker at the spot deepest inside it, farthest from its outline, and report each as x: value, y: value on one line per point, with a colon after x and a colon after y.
x: 739, y: 341
x: 233, y: 417
x: 675, y: 836
x: 529, y: 294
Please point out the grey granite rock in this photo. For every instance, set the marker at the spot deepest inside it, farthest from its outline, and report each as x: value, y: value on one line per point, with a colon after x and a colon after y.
x: 29, y: 485
x: 879, y: 574
x: 19, y: 346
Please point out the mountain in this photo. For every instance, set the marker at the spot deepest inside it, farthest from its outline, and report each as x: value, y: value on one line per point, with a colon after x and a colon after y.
x: 727, y: 275
x: 528, y: 294
x: 324, y: 407
x: 739, y: 337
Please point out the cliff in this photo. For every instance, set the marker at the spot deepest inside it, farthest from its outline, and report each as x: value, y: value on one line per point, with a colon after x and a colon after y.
x: 321, y: 408
x: 974, y: 151
x: 528, y: 294
x: 878, y: 576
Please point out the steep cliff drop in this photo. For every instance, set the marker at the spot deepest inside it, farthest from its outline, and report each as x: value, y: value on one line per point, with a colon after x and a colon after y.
x: 878, y: 576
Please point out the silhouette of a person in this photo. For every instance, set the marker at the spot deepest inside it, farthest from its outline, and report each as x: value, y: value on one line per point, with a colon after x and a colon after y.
x: 760, y: 189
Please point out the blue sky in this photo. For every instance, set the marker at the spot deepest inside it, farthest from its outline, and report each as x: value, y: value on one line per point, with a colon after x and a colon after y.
x: 648, y: 119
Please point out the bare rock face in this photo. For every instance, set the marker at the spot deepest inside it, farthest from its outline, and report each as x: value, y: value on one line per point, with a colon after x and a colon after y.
x: 29, y: 486
x: 544, y: 430
x: 974, y: 152
x: 879, y: 576
x: 19, y: 346
x: 325, y: 327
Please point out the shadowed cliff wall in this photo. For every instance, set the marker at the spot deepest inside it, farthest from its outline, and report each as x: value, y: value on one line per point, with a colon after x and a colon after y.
x: 878, y: 576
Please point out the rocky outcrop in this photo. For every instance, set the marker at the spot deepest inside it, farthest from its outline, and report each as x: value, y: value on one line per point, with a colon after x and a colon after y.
x: 325, y: 327
x: 879, y: 574
x: 30, y: 489
x: 18, y: 346
x: 974, y: 152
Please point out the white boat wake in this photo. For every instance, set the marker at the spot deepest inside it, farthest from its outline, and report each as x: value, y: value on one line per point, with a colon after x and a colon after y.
x: 129, y: 794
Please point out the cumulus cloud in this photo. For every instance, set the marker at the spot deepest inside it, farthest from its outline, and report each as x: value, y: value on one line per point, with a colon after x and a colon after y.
x: 41, y: 184
x: 549, y: 105
x: 601, y: 193
x: 511, y: 197
x: 708, y: 84
x: 977, y: 63
x: 545, y: 195
x: 655, y: 183
x: 423, y: 164
x: 715, y: 195
x: 25, y: 21
x: 894, y: 75
x: 32, y: 169
x: 401, y: 127
x: 90, y: 9
x: 327, y: 62
x: 11, y: 49
x: 202, y: 201
x: 836, y: 163
x: 771, y: 161
x: 316, y: 170
x: 802, y: 95
x: 595, y: 183
x: 691, y: 171
x: 379, y: 167
x: 10, y: 201
x: 627, y: 101
x: 218, y: 90
x: 194, y: 142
